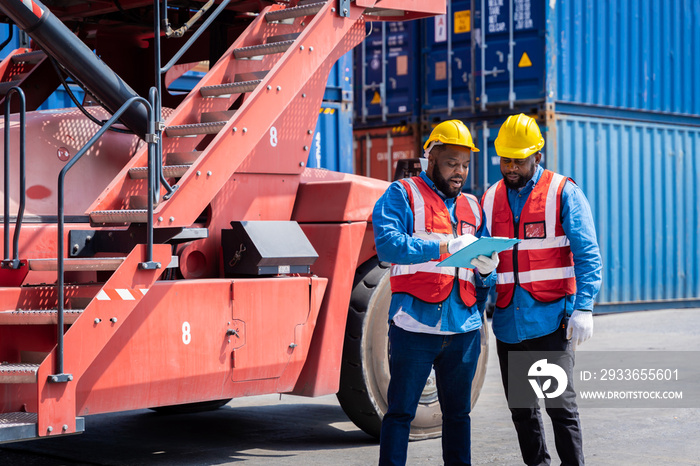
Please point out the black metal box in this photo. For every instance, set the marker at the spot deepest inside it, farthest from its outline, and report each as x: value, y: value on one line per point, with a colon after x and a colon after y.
x: 266, y: 248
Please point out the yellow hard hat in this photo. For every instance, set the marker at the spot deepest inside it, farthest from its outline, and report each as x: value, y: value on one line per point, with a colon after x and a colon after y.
x: 452, y: 132
x: 519, y: 137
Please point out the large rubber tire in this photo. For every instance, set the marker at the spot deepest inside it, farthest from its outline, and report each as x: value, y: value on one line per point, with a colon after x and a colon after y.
x: 364, y: 376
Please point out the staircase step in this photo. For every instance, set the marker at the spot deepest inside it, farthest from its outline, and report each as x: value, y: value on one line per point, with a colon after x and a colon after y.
x: 182, y: 158
x: 23, y: 426
x: 6, y: 86
x: 169, y: 171
x: 282, y: 38
x: 18, y: 373
x: 30, y: 57
x: 195, y: 129
x: 40, y: 317
x: 77, y: 264
x: 119, y: 216
x: 211, y: 117
x: 262, y: 49
x: 250, y: 76
x: 18, y: 426
x: 295, y: 12
x: 229, y: 88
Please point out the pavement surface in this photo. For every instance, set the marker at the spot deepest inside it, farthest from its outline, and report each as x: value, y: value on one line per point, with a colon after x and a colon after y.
x: 274, y: 430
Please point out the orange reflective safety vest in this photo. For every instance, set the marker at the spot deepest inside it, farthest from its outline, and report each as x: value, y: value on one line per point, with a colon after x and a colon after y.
x: 542, y: 262
x: 431, y: 221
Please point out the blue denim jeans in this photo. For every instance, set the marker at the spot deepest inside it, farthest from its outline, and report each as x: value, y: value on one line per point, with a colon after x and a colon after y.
x: 411, y: 357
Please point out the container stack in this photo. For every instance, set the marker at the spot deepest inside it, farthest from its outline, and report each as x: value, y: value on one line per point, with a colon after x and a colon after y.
x: 613, y: 85
x: 387, y: 103
x: 331, y: 147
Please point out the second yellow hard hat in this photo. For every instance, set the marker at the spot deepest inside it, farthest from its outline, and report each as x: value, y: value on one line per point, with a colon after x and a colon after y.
x: 519, y: 137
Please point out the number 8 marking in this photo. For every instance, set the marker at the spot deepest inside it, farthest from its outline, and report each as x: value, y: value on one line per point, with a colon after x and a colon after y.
x: 273, y: 136
x: 186, y: 335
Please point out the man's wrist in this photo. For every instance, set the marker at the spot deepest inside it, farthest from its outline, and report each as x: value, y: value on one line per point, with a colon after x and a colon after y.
x: 443, y: 247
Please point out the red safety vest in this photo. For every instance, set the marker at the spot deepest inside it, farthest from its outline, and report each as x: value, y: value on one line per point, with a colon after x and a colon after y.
x: 542, y: 262
x: 431, y: 221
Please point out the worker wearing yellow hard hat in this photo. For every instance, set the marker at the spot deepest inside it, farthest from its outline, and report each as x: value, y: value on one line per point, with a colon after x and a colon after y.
x: 417, y: 223
x: 546, y: 287
x: 451, y: 132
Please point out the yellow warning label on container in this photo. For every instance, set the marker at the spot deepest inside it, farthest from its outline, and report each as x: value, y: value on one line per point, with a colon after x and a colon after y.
x: 463, y: 21
x: 524, y: 61
x: 377, y: 99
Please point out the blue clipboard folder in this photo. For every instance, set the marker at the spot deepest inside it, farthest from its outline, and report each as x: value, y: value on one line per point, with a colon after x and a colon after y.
x: 482, y: 246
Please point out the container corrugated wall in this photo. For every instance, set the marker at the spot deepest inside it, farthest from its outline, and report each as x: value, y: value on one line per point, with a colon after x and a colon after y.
x: 625, y: 55
x: 637, y: 54
x: 641, y: 181
x: 387, y: 75
x: 331, y: 147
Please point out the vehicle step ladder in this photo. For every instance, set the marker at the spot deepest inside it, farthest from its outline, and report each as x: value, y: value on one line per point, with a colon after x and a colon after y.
x: 241, y: 96
x: 48, y: 397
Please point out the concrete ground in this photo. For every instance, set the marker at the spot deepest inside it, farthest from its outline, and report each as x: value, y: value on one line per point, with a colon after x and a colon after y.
x: 621, y: 436
x: 274, y: 430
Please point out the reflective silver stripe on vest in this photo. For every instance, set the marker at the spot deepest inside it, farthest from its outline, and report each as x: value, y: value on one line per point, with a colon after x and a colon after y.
x: 418, y: 207
x: 550, y: 206
x: 467, y: 275
x: 558, y: 273
x: 430, y: 267
x: 488, y: 205
x: 425, y: 267
x: 543, y: 243
x: 476, y: 210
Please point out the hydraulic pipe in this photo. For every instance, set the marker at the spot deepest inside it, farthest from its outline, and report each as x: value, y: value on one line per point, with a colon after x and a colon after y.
x: 58, y: 41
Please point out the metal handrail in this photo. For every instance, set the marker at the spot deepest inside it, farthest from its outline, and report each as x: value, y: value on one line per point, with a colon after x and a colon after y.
x: 160, y: 70
x: 14, y: 263
x: 151, y: 139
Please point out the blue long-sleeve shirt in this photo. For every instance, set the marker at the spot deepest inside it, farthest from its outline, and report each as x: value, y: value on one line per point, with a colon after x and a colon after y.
x: 526, y: 318
x: 392, y: 220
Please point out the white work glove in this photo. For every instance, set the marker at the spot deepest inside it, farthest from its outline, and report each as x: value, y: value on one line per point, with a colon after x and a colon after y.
x: 580, y: 327
x: 486, y: 264
x: 460, y: 242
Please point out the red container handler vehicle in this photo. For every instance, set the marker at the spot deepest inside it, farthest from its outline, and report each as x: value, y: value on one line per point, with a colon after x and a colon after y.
x: 189, y: 257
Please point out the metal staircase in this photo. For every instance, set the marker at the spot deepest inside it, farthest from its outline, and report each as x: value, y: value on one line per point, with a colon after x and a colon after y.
x: 47, y: 393
x: 26, y: 68
x: 275, y: 64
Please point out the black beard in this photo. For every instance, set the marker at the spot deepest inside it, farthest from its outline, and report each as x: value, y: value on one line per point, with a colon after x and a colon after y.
x: 522, y: 180
x: 516, y: 185
x: 442, y: 184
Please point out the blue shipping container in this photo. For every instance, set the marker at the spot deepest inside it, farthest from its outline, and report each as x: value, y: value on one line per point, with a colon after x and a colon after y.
x: 17, y: 40
x: 616, y: 54
x: 387, y: 75
x: 587, y: 57
x: 61, y: 99
x: 447, y: 60
x: 332, y: 145
x: 509, y: 52
x: 640, y: 179
x: 339, y: 84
